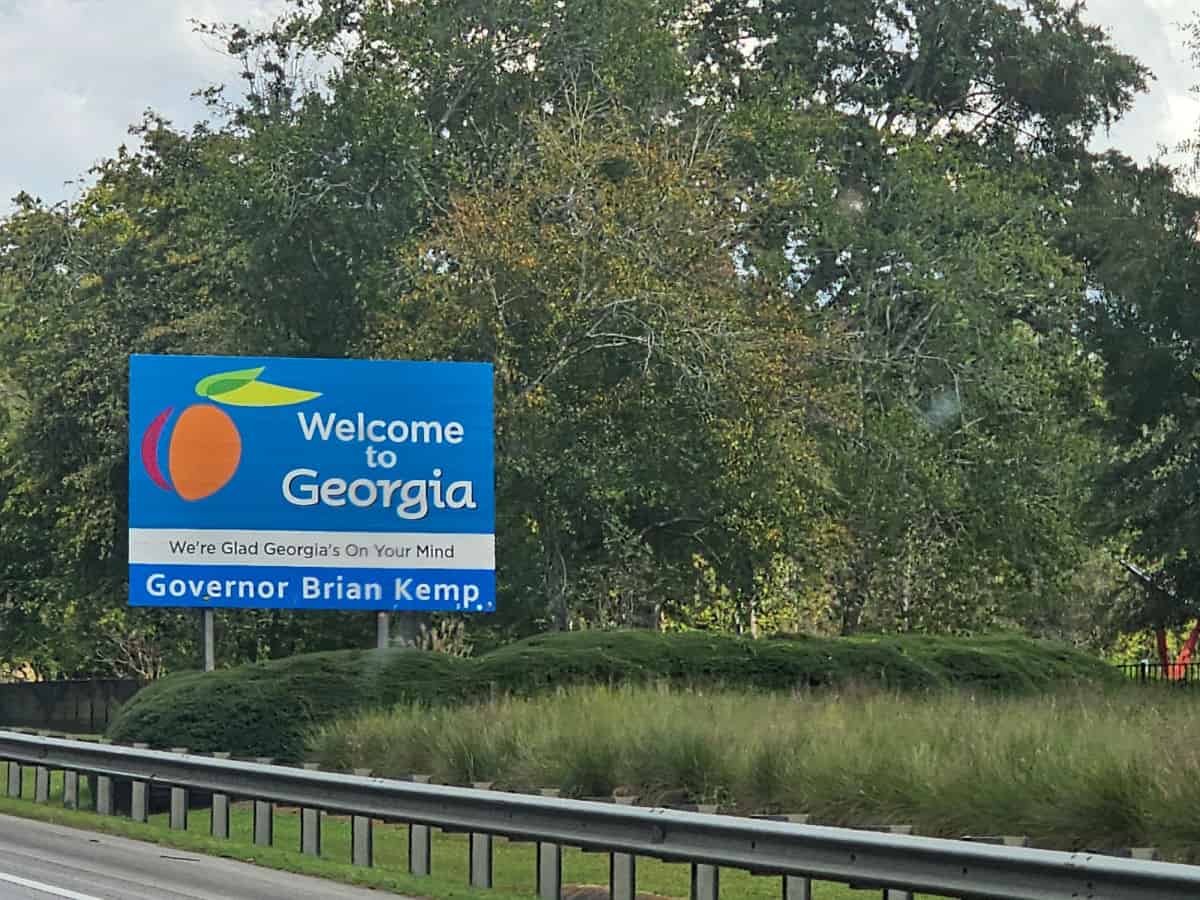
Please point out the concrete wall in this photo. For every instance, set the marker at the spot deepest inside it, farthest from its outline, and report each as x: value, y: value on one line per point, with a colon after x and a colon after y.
x: 79, y: 707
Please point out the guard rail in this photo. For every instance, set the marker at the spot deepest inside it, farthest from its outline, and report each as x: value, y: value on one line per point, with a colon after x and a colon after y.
x: 797, y: 853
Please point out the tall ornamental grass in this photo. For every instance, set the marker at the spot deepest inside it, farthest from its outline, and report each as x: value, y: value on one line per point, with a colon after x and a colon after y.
x: 1079, y: 770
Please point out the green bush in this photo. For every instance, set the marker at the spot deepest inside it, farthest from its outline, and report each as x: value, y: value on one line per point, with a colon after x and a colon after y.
x: 269, y: 709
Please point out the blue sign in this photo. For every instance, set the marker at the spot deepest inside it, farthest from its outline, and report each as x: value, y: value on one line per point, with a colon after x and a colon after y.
x: 311, y: 484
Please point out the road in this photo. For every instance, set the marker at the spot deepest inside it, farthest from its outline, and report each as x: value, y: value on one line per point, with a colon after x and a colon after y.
x: 44, y: 862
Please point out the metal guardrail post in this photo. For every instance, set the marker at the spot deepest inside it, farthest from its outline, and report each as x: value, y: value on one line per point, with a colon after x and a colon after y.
x: 41, y: 784
x: 139, y: 809
x: 41, y: 779
x: 549, y: 871
x: 706, y: 882
x: 795, y: 887
x: 104, y: 795
x: 179, y: 801
x: 362, y: 835
x: 310, y: 824
x: 622, y: 867
x: 892, y: 893
x: 16, y: 779
x: 420, y: 841
x: 549, y: 864
x: 71, y: 789
x: 264, y: 823
x: 102, y: 789
x: 139, y: 805
x: 220, y: 809
x: 706, y: 879
x: 622, y: 876
x: 479, y: 861
x: 362, y: 841
x: 264, y: 814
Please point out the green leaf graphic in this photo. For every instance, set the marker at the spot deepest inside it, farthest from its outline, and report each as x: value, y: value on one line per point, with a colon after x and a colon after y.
x: 260, y: 393
x: 242, y: 388
x: 223, y: 382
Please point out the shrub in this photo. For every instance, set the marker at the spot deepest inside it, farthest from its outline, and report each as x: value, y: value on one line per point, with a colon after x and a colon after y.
x: 268, y: 709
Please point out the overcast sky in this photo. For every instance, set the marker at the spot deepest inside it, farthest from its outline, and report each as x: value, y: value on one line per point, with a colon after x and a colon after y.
x: 75, y: 73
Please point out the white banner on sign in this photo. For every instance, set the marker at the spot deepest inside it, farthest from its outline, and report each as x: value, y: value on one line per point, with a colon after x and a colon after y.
x: 326, y: 549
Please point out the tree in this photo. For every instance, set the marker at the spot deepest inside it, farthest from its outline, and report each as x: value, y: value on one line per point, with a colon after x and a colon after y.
x: 652, y: 403
x: 1136, y: 230
x: 136, y: 266
x: 962, y: 475
x: 1029, y: 74
x: 784, y: 300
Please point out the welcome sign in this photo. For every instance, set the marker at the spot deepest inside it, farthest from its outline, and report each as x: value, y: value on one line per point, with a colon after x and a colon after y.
x: 311, y: 484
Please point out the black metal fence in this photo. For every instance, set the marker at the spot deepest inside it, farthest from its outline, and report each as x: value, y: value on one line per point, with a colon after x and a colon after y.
x: 1172, y: 673
x: 82, y: 707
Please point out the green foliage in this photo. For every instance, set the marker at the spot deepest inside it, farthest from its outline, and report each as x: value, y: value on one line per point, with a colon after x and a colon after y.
x: 787, y: 331
x: 158, y: 257
x: 265, y: 709
x: 1031, y: 73
x: 1142, y: 322
x: 1074, y: 770
x: 268, y: 709
x: 1005, y: 663
x: 962, y: 459
x: 652, y: 408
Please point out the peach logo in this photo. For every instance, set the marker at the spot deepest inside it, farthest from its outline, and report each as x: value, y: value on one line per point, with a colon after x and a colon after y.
x: 205, y: 447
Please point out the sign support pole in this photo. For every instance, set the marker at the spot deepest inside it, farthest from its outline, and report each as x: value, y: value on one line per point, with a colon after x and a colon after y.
x: 207, y: 639
x: 383, y: 630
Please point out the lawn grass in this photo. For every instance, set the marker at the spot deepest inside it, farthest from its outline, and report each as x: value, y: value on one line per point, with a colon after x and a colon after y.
x: 513, y: 872
x: 1096, y: 770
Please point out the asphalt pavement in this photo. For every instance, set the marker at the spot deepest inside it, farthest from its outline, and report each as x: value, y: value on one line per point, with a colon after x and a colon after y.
x: 44, y: 862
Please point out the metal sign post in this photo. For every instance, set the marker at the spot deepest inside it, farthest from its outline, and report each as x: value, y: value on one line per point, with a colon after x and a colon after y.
x: 383, y: 630
x: 208, y: 649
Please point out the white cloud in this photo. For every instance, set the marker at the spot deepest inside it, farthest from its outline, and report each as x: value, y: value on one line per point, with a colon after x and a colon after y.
x: 75, y: 74
x: 1168, y: 113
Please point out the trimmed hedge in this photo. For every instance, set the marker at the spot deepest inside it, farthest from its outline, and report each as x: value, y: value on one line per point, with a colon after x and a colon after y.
x: 268, y: 709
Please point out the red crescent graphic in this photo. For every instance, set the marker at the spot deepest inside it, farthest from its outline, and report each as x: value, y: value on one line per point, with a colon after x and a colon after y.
x: 150, y: 448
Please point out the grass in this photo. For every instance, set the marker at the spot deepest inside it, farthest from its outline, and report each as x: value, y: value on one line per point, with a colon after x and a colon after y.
x: 1094, y: 770
x: 513, y: 874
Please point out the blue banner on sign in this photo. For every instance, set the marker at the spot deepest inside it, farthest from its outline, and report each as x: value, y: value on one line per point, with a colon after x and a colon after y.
x: 269, y: 587
x: 311, y: 483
